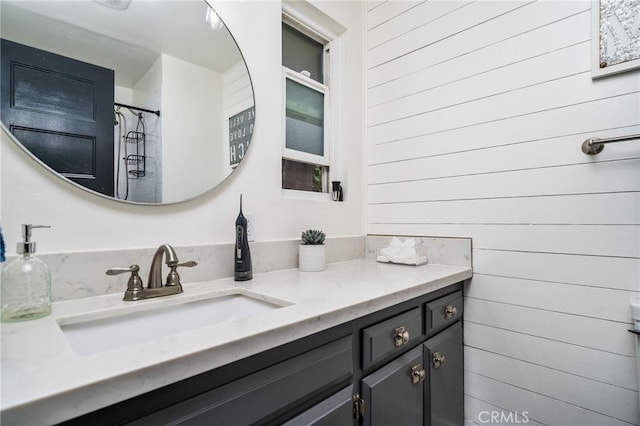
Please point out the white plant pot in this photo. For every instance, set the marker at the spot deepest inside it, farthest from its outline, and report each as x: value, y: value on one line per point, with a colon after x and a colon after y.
x: 311, y: 258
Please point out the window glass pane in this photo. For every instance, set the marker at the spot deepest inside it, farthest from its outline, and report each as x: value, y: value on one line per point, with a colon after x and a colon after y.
x: 305, y: 119
x: 301, y: 53
x: 304, y: 177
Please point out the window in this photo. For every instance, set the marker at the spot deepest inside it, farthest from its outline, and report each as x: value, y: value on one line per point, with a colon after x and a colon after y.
x: 307, y: 145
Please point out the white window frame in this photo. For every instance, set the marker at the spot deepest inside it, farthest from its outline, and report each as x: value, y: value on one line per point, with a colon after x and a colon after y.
x: 300, y: 17
x: 301, y: 156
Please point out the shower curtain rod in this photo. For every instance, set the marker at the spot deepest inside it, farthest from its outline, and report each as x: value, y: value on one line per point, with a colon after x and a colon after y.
x: 157, y: 112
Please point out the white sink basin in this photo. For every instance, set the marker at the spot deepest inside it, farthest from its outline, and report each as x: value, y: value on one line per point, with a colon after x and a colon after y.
x: 92, y: 336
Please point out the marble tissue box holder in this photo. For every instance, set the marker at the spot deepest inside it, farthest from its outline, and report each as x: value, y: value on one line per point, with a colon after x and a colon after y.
x: 438, y: 250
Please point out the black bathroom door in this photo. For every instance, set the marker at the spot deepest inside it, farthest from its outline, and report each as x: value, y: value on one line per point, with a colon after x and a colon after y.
x: 61, y: 110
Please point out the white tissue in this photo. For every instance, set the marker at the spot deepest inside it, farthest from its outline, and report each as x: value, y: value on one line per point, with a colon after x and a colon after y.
x: 401, y: 252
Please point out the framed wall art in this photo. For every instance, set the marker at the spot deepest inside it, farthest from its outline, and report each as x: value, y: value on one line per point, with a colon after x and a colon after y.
x: 615, y: 36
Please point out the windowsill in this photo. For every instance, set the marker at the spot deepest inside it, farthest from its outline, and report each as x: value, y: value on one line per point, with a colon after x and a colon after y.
x: 306, y: 195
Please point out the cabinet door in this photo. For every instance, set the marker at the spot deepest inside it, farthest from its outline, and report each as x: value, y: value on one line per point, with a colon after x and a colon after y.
x: 391, y: 395
x: 254, y: 398
x: 337, y: 410
x: 444, y: 392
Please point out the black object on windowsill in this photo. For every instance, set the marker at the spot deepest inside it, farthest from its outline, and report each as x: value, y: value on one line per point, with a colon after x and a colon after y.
x: 336, y: 191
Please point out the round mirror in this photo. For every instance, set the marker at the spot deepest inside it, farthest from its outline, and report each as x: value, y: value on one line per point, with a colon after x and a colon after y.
x: 140, y: 101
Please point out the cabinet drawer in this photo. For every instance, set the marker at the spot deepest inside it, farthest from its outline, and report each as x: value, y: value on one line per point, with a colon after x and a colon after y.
x: 389, y: 336
x: 443, y: 311
x: 264, y: 393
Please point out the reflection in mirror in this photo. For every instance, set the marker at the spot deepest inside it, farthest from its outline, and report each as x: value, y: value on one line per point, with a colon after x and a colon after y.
x: 143, y: 101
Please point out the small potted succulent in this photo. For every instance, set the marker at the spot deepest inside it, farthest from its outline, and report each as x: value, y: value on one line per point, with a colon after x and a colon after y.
x: 311, y: 256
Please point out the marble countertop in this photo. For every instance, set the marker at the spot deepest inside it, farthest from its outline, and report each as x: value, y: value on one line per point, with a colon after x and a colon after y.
x: 44, y: 381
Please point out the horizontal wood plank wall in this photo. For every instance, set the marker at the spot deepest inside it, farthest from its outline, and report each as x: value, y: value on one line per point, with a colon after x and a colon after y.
x: 476, y: 114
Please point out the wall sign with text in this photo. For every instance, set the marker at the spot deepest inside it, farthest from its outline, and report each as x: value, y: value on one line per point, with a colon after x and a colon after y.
x: 240, y: 131
x: 615, y: 36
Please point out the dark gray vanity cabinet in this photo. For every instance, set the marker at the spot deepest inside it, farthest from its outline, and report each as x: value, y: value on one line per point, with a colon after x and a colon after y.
x: 402, y: 365
x: 424, y: 386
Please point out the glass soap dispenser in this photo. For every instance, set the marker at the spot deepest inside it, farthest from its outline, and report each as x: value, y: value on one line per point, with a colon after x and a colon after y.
x: 26, y: 283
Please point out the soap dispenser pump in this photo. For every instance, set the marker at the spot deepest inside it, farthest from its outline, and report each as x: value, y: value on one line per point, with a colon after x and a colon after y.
x: 26, y: 283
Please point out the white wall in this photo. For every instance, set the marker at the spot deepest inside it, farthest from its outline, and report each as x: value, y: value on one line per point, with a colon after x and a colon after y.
x: 476, y: 114
x: 82, y: 221
x: 147, y: 93
x: 192, y: 123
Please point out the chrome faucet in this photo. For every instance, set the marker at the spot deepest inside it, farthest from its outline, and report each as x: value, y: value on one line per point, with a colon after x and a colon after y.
x: 155, y: 272
x: 155, y: 288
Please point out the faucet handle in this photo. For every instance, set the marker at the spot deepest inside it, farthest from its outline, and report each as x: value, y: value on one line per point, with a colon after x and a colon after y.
x: 172, y: 277
x: 188, y: 263
x: 115, y: 271
x: 134, y: 285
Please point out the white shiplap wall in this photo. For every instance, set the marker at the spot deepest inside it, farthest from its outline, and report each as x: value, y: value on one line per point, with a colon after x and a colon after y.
x: 476, y: 114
